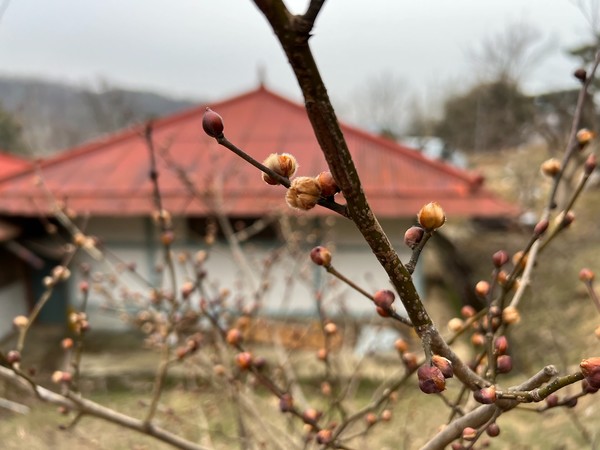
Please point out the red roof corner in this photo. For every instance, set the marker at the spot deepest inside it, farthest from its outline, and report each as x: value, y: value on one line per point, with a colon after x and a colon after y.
x: 110, y: 176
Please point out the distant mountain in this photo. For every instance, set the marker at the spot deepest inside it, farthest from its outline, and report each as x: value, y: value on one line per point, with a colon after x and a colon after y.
x: 55, y: 116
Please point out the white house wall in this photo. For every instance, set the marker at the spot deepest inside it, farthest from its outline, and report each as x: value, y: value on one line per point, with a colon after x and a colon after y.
x: 290, y: 286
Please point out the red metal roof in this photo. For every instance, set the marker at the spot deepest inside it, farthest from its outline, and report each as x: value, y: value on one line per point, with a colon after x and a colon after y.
x: 110, y: 176
x: 11, y: 164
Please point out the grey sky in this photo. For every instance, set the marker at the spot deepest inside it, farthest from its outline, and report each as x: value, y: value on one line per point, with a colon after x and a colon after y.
x: 211, y: 49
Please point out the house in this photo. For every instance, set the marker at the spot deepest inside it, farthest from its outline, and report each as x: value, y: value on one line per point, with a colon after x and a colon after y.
x: 106, y: 184
x: 13, y: 257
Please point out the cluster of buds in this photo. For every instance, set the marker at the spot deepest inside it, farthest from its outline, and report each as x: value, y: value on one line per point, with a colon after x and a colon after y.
x: 58, y: 274
x: 78, y: 322
x: 431, y: 216
x: 590, y: 368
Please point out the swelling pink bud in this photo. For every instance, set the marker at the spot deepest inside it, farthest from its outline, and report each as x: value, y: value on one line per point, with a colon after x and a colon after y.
x: 321, y: 256
x: 413, y: 236
x: 384, y: 298
x: 328, y: 185
x: 431, y: 379
x: 212, y: 123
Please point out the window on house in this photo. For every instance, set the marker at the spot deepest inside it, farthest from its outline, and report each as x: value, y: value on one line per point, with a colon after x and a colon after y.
x: 245, y: 228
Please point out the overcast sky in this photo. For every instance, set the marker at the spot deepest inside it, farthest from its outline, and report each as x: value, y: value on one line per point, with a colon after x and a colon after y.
x: 211, y: 49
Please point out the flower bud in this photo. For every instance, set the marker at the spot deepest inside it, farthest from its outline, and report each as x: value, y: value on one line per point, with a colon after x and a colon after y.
x: 328, y: 185
x: 20, y: 321
x: 212, y: 123
x: 410, y: 360
x: 286, y: 403
x: 67, y: 343
x: 552, y: 400
x: 322, y: 354
x: 444, y: 365
x: 590, y: 164
x: 580, y: 74
x: 326, y: 388
x: 586, y: 275
x: 467, y: 311
x: 244, y: 360
x: 284, y: 165
x: 587, y: 388
x: 584, y: 137
x: 383, y: 312
x: 455, y: 324
x: 384, y: 298
x: 401, y: 345
x: 503, y: 364
x: 431, y: 379
x: 540, y: 228
x: 234, y: 337
x: 371, y: 419
x: 431, y: 216
x: 486, y: 395
x: 469, y: 434
x: 413, y: 236
x: 551, y: 167
x: 321, y: 256
x: 330, y: 328
x: 324, y: 436
x: 13, y: 356
x: 511, y: 315
x: 311, y: 415
x: 477, y: 339
x: 590, y: 366
x: 501, y: 345
x: 493, y: 430
x: 499, y: 258
x: 386, y: 415
x: 519, y: 259
x: 304, y: 193
x: 482, y: 288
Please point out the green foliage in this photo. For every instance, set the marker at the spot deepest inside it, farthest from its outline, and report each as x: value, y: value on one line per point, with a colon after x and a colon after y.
x: 10, y: 133
x: 488, y: 117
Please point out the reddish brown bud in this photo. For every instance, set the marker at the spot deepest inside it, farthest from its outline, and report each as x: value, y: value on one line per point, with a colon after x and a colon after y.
x: 410, y: 360
x: 13, y: 356
x: 493, y: 430
x: 571, y: 402
x: 413, y: 236
x: 311, y: 415
x: 588, y: 388
x: 234, y: 337
x: 328, y: 185
x: 321, y: 256
x: 66, y: 343
x: 212, y: 123
x: 540, y: 228
x: 304, y: 193
x: 444, y: 365
x: 477, y: 339
x: 486, y: 395
x: 503, y: 364
x: 324, y: 436
x: 586, y: 275
x: 590, y: 164
x: 431, y: 379
x: 499, y: 258
x: 501, y: 345
x: 371, y: 419
x: 326, y: 388
x: 383, y: 312
x: 482, y: 288
x: 431, y: 216
x: 286, y: 403
x: 244, y: 360
x: 400, y: 345
x: 467, y: 311
x: 322, y: 354
x: 552, y: 400
x: 580, y: 74
x: 384, y: 298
